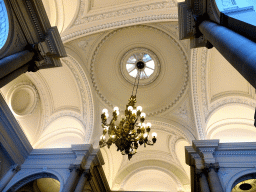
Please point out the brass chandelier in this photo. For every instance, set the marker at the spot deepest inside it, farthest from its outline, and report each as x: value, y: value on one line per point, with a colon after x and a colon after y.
x: 131, y: 130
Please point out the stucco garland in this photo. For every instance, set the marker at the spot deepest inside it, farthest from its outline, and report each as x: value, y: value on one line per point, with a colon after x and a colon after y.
x: 182, y: 91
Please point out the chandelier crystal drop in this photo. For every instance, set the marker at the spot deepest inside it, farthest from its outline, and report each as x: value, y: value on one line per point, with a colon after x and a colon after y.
x: 131, y: 130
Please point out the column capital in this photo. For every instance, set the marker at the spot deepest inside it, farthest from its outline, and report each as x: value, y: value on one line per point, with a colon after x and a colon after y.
x: 87, y: 173
x: 75, y: 167
x: 191, y: 14
x: 199, y: 172
x: 209, y: 166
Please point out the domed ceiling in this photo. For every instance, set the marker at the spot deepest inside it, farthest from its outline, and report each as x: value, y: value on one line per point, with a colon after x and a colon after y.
x: 157, y: 96
x: 187, y: 97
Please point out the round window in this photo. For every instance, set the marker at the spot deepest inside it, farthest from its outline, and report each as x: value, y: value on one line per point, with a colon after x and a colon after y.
x: 140, y: 61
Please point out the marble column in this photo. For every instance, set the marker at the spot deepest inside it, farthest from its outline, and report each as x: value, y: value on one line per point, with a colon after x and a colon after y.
x: 204, y: 186
x: 238, y: 50
x: 15, y: 61
x: 85, y: 178
x: 8, y: 176
x: 213, y: 178
x: 72, y: 179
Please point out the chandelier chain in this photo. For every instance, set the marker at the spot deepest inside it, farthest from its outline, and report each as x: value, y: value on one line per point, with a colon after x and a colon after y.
x: 134, y: 85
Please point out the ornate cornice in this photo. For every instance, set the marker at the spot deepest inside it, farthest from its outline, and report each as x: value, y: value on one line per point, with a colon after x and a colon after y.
x: 118, y: 24
x: 235, y: 153
x: 120, y: 12
x: 161, y: 110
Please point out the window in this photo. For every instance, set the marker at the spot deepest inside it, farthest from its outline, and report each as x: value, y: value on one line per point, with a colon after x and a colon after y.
x: 4, y: 24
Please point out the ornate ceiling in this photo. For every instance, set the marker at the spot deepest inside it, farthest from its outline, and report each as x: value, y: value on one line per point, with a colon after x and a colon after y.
x: 196, y: 93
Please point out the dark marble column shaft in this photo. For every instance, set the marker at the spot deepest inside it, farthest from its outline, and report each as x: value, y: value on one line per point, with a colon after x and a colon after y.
x: 238, y: 50
x: 72, y: 179
x: 15, y: 61
x: 203, y: 183
x: 214, y: 181
x: 85, y: 178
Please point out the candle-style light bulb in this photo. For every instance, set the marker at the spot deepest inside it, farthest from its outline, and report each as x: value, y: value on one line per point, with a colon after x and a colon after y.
x: 149, y: 125
x: 143, y: 115
x: 154, y: 134
x: 116, y: 109
x: 105, y: 111
x: 139, y: 108
x: 130, y: 108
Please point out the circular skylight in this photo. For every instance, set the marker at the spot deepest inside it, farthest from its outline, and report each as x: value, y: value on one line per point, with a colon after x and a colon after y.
x: 140, y: 61
x: 4, y: 24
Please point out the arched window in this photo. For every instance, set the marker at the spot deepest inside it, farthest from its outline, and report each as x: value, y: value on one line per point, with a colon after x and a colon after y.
x: 4, y: 24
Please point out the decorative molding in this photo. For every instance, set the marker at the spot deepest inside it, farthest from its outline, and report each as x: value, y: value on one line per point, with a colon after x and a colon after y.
x: 33, y: 94
x: 171, y: 145
x: 86, y: 95
x: 67, y: 113
x: 184, y: 87
x: 30, y: 178
x: 172, y: 130
x: 208, y: 108
x: 195, y: 95
x: 81, y: 19
x: 118, y: 24
x: 203, y: 72
x: 87, y: 118
x: 234, y: 153
x: 230, y: 100
x: 171, y: 174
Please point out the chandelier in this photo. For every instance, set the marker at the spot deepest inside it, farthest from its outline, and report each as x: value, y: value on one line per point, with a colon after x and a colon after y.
x: 131, y: 130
